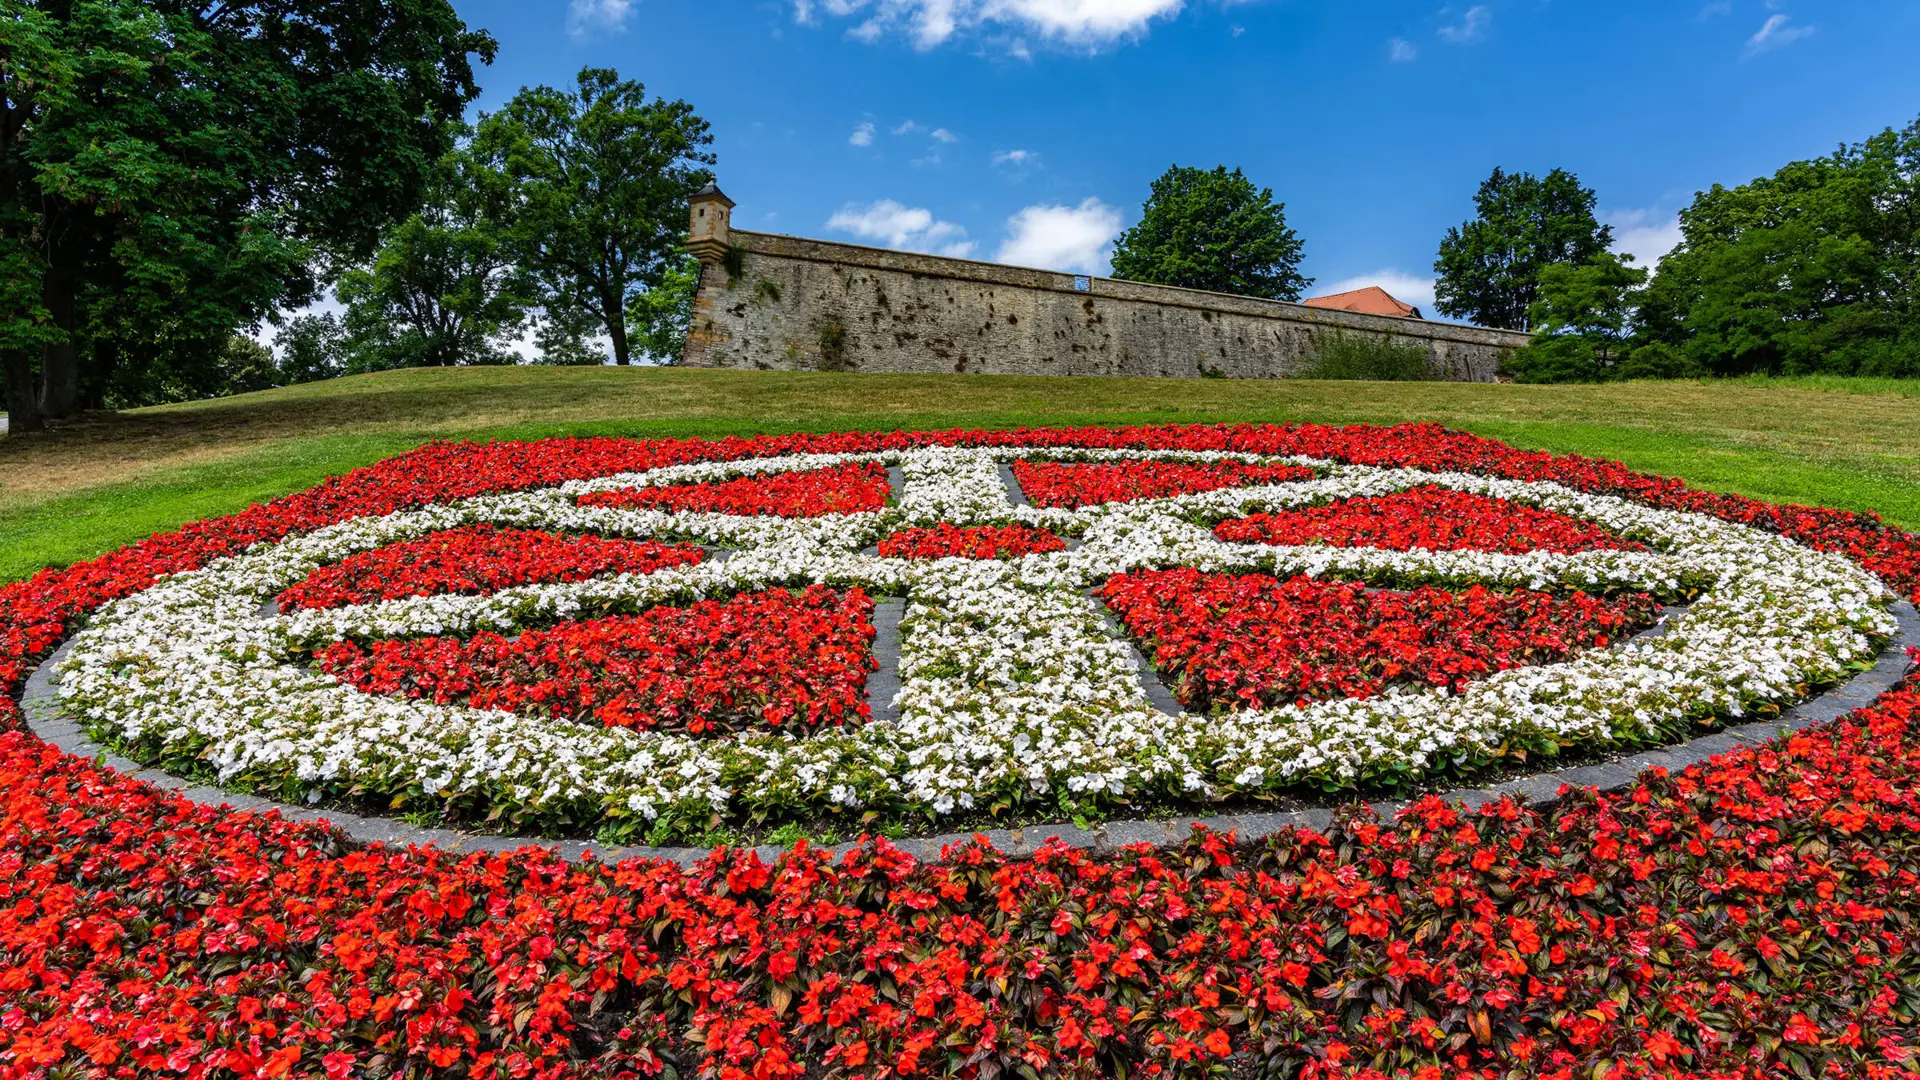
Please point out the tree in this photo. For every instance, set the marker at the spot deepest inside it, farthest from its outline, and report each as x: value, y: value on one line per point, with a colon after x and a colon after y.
x: 600, y: 180
x: 1583, y: 316
x: 1215, y: 231
x: 312, y: 347
x: 443, y: 289
x: 1489, y: 268
x: 1813, y: 269
x: 193, y: 163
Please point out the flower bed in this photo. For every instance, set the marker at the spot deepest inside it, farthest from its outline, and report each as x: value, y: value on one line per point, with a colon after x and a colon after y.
x: 846, y: 489
x: 1012, y: 694
x: 477, y: 560
x: 773, y: 659
x: 1432, y: 518
x: 944, y: 541
x: 1254, y: 641
x: 1748, y: 918
x: 1072, y: 485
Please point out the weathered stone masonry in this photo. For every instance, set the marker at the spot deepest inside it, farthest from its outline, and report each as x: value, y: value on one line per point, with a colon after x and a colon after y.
x: 774, y: 302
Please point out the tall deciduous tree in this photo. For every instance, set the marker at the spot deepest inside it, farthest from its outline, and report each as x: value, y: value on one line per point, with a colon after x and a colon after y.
x: 1216, y: 231
x: 444, y: 288
x: 1489, y: 268
x: 1584, y: 317
x: 194, y: 160
x: 601, y: 178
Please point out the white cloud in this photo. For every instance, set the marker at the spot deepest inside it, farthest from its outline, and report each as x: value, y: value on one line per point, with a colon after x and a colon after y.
x: 1055, y: 237
x: 1015, y: 158
x: 1647, y: 235
x: 929, y: 23
x: 862, y: 134
x: 943, y: 135
x: 604, y: 16
x: 904, y: 228
x: 907, y: 128
x: 1401, y: 51
x: 1415, y: 289
x: 1471, y: 27
x: 1715, y: 9
x: 1776, y: 34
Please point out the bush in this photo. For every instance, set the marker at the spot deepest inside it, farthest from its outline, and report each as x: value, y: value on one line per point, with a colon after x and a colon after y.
x: 1340, y: 355
x: 1562, y: 359
x: 1658, y: 360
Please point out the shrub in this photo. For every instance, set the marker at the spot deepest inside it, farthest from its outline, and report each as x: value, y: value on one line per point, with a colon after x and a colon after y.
x: 1340, y: 355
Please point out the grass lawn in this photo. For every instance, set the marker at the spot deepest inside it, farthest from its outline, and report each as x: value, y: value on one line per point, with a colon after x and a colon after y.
x: 98, y: 483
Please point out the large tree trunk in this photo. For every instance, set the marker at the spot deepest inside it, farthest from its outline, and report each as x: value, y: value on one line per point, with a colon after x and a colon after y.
x: 23, y: 391
x: 616, y: 317
x: 59, y: 362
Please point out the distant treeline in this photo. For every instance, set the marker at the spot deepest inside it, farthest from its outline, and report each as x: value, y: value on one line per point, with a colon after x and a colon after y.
x: 175, y: 176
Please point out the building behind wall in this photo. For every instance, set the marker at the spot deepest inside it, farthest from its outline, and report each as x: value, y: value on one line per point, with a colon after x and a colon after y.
x: 773, y: 302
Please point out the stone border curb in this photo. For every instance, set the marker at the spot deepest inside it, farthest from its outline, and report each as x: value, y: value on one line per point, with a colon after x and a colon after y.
x: 1012, y: 482
x: 40, y: 698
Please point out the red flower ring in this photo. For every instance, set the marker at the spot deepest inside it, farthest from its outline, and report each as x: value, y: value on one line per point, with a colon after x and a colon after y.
x: 1071, y: 485
x: 1436, y: 519
x: 1255, y: 641
x: 841, y: 489
x: 981, y: 542
x: 475, y: 560
x: 1740, y: 920
x: 775, y: 659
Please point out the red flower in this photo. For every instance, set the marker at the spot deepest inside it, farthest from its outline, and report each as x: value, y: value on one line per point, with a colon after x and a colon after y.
x: 477, y: 560
x: 775, y: 658
x: 980, y: 542
x: 1241, y: 641
x: 1073, y: 485
x: 1437, y: 519
x: 840, y: 489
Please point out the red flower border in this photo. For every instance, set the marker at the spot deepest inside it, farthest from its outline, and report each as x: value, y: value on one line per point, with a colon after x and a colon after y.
x: 475, y: 560
x: 1437, y: 519
x: 1073, y: 484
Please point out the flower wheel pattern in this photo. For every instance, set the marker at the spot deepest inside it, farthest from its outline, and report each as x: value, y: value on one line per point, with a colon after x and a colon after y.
x: 1017, y: 680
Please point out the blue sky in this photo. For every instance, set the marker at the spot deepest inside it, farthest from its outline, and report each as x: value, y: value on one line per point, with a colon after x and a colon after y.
x: 1027, y: 131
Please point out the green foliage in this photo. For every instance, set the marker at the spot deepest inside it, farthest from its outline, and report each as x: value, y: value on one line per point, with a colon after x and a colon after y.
x: 1215, y: 231
x: 1583, y: 315
x: 1489, y: 268
x: 658, y: 318
x: 1339, y: 355
x: 1658, y: 360
x: 444, y: 289
x: 170, y: 172
x: 1815, y: 269
x: 600, y: 180
x: 312, y: 347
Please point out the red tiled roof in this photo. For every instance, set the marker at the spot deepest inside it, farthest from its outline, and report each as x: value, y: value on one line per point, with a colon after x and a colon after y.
x: 1372, y: 300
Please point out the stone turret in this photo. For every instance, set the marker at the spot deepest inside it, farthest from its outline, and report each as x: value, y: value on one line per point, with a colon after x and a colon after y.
x: 707, y: 231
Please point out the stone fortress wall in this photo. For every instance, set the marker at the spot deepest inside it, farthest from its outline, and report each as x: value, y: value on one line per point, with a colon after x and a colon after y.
x: 772, y: 302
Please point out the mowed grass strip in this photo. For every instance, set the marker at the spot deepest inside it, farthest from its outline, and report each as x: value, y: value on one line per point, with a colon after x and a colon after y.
x: 105, y: 481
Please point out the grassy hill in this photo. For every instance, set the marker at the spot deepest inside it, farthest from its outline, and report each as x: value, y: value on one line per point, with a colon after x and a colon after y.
x: 98, y: 483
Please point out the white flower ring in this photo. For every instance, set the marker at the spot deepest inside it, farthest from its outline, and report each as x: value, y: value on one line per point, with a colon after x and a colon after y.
x: 1012, y: 680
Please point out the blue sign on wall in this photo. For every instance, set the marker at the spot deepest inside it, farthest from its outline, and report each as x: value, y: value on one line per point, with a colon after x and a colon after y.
x: 1082, y: 283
